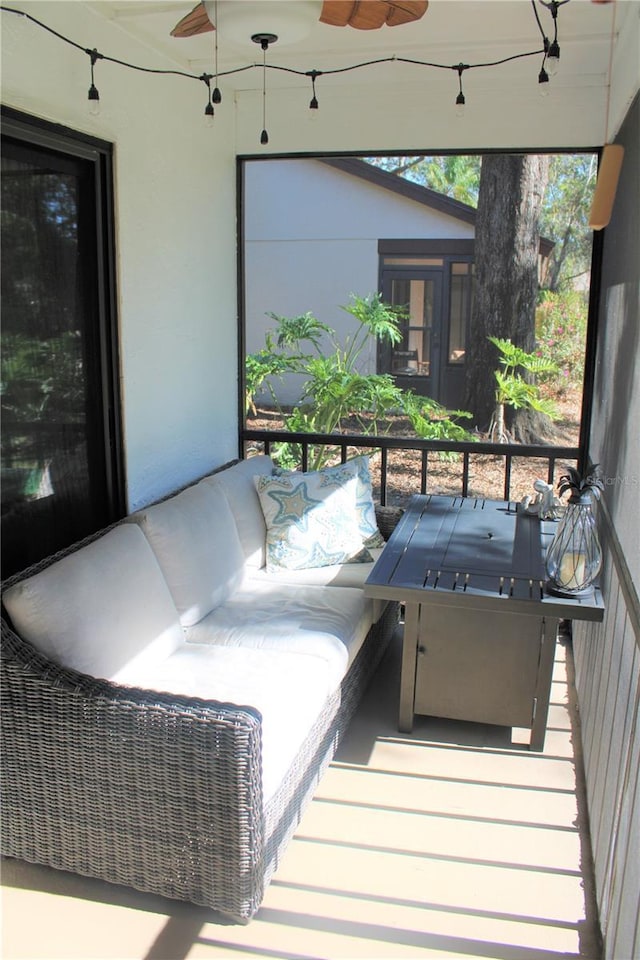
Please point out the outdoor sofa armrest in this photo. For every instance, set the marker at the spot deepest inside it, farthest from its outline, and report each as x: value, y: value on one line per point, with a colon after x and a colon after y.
x: 155, y: 791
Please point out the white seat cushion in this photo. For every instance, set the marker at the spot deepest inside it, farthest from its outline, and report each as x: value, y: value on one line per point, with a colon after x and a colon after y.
x: 239, y: 489
x: 289, y: 691
x: 194, y: 537
x: 337, y: 575
x: 326, y: 622
x: 104, y: 610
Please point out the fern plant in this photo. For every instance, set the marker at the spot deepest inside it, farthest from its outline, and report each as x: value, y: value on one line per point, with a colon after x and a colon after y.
x: 513, y: 390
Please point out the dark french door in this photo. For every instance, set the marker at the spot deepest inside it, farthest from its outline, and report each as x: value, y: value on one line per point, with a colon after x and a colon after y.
x: 415, y: 361
x: 61, y: 461
x: 433, y: 282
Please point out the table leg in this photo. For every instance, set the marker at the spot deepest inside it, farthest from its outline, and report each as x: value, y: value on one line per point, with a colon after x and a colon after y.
x: 408, y: 675
x: 543, y: 686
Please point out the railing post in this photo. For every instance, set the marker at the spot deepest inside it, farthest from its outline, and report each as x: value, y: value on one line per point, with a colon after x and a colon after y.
x: 507, y: 476
x: 383, y: 477
x: 465, y: 475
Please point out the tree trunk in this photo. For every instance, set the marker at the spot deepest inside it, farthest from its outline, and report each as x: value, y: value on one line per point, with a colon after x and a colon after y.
x: 506, y: 263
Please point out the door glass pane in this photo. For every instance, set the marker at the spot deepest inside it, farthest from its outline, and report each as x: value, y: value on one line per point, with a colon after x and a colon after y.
x: 52, y: 467
x: 460, y: 298
x: 413, y: 354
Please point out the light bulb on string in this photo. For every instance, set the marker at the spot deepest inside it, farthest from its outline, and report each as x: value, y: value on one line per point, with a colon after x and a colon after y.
x: 209, y: 112
x: 94, y: 101
x: 460, y: 100
x: 543, y: 82
x: 93, y: 96
x: 313, y: 103
x: 553, y: 58
x: 552, y: 49
x: 264, y: 39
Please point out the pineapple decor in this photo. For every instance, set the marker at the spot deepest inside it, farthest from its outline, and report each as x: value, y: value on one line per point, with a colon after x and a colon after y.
x: 574, y: 558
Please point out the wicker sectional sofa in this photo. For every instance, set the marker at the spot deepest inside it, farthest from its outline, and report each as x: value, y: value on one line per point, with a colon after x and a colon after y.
x: 169, y: 704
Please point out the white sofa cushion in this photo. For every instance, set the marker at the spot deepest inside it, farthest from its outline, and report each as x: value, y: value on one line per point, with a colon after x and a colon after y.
x: 337, y: 575
x: 289, y: 691
x: 330, y: 623
x: 104, y: 610
x: 194, y: 537
x: 239, y: 489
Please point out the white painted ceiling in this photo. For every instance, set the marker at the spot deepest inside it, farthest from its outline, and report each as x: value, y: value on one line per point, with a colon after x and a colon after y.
x: 452, y: 31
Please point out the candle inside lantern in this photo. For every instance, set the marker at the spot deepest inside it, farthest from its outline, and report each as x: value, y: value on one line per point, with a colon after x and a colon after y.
x: 572, y: 571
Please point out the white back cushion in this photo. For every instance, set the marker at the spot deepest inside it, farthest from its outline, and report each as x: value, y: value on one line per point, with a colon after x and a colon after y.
x: 239, y: 488
x: 195, y: 540
x: 104, y: 610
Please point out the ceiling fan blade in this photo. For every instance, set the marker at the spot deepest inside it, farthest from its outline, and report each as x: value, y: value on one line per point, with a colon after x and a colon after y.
x: 371, y: 14
x: 341, y: 13
x: 194, y: 23
x: 406, y: 11
x: 361, y: 14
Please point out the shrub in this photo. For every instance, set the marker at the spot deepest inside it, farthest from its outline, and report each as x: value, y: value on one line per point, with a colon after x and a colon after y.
x: 334, y: 390
x: 561, y: 326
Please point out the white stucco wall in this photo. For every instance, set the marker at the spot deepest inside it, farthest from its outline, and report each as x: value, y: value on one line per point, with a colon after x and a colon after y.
x: 311, y: 239
x: 175, y: 237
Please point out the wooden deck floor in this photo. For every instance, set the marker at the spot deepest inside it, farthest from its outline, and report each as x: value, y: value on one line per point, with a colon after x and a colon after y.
x: 452, y: 841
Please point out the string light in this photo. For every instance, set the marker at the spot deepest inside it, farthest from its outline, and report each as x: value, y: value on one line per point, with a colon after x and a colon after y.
x: 264, y: 39
x: 93, y: 96
x: 209, y: 112
x: 313, y: 103
x: 551, y: 48
x: 460, y: 100
x: 543, y: 81
x: 550, y: 51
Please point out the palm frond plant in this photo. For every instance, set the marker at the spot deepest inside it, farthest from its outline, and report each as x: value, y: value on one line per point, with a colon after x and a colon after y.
x: 334, y: 390
x: 513, y: 390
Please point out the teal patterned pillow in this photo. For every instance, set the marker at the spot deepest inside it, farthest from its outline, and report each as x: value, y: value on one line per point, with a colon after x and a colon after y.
x: 365, y: 508
x: 366, y: 511
x: 312, y: 518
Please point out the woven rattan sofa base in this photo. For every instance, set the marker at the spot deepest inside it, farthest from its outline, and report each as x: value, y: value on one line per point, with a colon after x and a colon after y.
x: 155, y: 792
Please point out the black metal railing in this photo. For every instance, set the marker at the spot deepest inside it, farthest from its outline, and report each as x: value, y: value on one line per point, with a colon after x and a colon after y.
x: 264, y: 440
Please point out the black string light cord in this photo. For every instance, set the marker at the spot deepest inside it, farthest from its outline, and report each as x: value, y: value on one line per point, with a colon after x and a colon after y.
x: 94, y: 55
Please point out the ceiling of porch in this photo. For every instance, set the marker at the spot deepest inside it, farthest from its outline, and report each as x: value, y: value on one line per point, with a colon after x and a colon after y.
x: 451, y: 31
x: 579, y: 110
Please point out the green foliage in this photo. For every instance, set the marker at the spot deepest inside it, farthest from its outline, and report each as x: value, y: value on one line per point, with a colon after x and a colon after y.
x: 565, y: 217
x: 565, y: 209
x: 512, y: 389
x: 454, y: 175
x: 334, y: 390
x: 261, y: 368
x: 293, y: 330
x: 42, y: 379
x: 561, y: 331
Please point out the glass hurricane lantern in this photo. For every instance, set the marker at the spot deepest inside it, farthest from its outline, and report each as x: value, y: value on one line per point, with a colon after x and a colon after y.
x: 574, y: 557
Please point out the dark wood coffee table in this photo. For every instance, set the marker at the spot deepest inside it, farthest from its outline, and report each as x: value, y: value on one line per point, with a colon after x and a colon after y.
x: 480, y: 628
